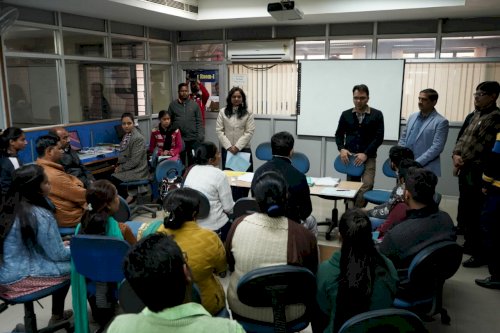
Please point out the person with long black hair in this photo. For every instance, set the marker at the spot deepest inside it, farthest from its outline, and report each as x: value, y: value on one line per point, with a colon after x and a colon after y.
x: 235, y: 126
x: 132, y: 160
x: 12, y: 141
x: 32, y: 254
x: 355, y: 279
x: 102, y: 203
x: 166, y: 139
x: 267, y: 238
x: 206, y: 177
x: 205, y: 252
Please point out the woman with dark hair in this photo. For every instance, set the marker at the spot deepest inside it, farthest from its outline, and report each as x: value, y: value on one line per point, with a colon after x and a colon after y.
x: 235, y: 126
x: 32, y: 255
x: 132, y: 160
x: 206, y: 177
x: 12, y: 140
x: 267, y: 239
x: 102, y: 203
x: 166, y: 139
x: 205, y: 252
x: 355, y: 279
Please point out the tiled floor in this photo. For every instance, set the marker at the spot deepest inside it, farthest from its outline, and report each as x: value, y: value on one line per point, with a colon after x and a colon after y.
x: 471, y: 308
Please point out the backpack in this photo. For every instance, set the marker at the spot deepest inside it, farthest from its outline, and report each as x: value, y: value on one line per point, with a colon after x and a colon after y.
x: 170, y: 182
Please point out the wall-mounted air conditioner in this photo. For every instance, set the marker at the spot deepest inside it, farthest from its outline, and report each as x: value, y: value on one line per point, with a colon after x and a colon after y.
x: 262, y: 51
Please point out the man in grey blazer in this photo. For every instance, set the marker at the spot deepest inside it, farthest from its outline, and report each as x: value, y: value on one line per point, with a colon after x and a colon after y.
x: 426, y: 132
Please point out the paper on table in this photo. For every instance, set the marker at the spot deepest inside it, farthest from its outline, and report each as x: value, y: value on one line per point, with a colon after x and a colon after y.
x: 247, y: 177
x: 326, y: 181
x: 231, y: 173
x: 238, y: 162
x: 331, y: 191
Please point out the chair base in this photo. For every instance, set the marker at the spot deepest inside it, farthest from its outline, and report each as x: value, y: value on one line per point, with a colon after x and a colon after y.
x: 150, y: 208
x: 253, y: 326
x: 30, y: 325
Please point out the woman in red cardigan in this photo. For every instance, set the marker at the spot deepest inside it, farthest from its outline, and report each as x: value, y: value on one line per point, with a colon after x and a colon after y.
x: 166, y: 138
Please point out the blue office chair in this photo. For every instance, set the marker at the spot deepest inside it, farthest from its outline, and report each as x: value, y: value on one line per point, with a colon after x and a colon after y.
x: 30, y: 325
x: 300, y: 162
x: 276, y: 287
x: 98, y: 258
x: 380, y: 196
x: 421, y: 290
x: 384, y: 320
x: 351, y: 170
x: 123, y: 215
x: 168, y: 169
x: 264, y: 151
x: 142, y: 204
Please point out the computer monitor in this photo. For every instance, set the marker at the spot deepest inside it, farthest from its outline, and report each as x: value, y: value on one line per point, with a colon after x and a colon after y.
x: 74, y: 140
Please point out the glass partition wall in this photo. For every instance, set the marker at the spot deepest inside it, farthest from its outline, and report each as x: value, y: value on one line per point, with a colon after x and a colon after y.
x: 69, y: 72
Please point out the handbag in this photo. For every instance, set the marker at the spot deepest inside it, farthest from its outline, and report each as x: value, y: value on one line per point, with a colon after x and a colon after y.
x: 170, y: 182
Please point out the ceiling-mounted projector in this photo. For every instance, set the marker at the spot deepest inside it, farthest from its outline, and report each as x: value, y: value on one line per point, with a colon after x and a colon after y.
x: 284, y: 11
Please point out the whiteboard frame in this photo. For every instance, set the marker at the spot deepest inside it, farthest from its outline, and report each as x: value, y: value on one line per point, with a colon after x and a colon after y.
x: 325, y: 91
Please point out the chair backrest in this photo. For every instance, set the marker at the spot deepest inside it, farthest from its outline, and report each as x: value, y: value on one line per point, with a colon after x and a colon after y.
x: 245, y: 206
x: 291, y: 284
x: 349, y: 169
x: 169, y: 169
x: 437, y: 198
x: 300, y: 162
x: 123, y: 212
x: 387, y: 170
x: 204, y: 204
x: 439, y: 261
x: 264, y: 151
x: 384, y: 321
x: 99, y: 258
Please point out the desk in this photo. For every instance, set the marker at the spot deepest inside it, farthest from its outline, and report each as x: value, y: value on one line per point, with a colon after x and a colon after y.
x: 100, y: 160
x: 344, y: 190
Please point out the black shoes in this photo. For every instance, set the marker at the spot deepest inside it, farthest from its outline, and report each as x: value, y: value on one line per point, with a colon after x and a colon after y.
x: 489, y: 282
x: 473, y: 262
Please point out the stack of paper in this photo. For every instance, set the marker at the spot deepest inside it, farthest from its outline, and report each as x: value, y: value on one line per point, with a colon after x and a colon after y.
x: 325, y: 181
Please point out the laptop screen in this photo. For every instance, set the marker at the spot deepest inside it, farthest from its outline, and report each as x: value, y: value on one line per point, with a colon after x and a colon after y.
x: 74, y: 140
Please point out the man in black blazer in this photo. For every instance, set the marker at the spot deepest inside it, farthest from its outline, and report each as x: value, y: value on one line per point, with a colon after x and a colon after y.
x: 359, y: 133
x: 299, y: 205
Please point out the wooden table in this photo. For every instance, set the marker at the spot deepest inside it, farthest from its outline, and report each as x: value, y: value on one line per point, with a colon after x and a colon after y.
x: 344, y: 190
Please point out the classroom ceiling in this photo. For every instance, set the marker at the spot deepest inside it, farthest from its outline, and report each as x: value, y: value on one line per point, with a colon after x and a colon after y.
x: 215, y: 14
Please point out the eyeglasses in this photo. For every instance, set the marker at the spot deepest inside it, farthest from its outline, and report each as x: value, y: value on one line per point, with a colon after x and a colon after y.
x: 362, y: 98
x: 480, y: 94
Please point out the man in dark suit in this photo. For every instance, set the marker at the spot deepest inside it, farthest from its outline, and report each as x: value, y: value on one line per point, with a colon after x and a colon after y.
x: 299, y: 205
x: 359, y: 133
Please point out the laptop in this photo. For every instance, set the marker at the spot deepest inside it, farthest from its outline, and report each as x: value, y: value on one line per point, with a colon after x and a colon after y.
x: 74, y: 140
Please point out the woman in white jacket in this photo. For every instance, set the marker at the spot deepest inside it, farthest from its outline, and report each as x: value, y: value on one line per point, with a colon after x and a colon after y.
x: 235, y: 126
x: 206, y: 177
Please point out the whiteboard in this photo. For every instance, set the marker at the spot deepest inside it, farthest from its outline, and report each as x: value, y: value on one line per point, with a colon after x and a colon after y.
x: 325, y: 91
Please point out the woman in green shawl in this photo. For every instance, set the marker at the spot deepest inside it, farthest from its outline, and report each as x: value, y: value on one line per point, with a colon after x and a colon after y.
x: 103, y: 202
